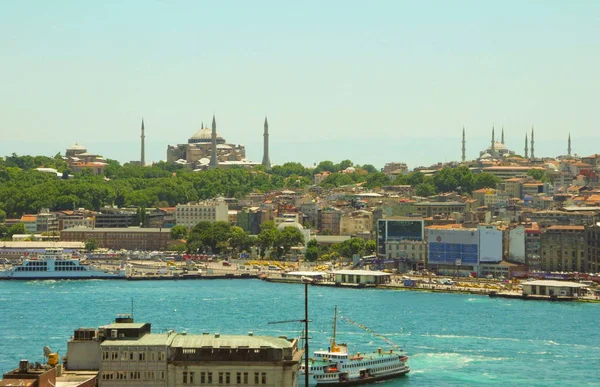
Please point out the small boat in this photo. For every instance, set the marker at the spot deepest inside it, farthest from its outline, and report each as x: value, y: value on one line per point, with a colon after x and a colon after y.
x: 337, y: 367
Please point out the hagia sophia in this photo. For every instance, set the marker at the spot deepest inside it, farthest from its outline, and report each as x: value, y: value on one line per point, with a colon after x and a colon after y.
x: 207, y: 149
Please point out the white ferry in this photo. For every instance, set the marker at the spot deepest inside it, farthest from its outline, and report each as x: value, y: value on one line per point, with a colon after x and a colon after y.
x: 55, y: 264
x: 337, y: 367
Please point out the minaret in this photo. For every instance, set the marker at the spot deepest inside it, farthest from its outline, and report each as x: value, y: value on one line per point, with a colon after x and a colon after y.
x: 569, y: 146
x: 143, y: 137
x: 265, y: 161
x: 493, y: 139
x: 532, y: 145
x: 502, y: 138
x: 213, y: 152
x: 464, y: 147
x: 526, y: 147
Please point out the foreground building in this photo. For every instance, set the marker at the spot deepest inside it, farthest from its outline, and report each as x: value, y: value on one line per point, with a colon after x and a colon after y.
x: 126, y: 353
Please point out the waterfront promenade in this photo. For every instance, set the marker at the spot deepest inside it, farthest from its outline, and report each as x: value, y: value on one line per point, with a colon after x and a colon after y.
x: 149, y: 270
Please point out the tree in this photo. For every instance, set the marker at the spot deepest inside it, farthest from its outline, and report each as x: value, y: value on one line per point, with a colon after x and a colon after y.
x: 91, y: 245
x: 485, y: 180
x: 537, y: 174
x: 369, y: 168
x: 2, y: 215
x: 287, y: 238
x: 370, y: 247
x: 425, y: 189
x: 17, y: 229
x: 239, y: 239
x: 312, y: 250
x: 179, y: 232
x: 325, y: 166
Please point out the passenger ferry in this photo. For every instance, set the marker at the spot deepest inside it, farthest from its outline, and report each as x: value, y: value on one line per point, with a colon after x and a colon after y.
x: 338, y: 367
x: 55, y: 264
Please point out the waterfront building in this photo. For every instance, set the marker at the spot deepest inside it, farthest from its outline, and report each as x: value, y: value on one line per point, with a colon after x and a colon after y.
x: 516, y: 244
x: 215, y: 210
x: 502, y: 269
x: 361, y: 277
x: 552, y: 288
x: 126, y: 353
x: 392, y: 232
x: 563, y: 248
x: 130, y: 238
x: 452, y: 249
x: 592, y: 238
x: 490, y: 244
x: 532, y: 246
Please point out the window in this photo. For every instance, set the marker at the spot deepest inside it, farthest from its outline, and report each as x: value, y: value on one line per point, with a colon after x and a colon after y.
x: 108, y: 375
x: 105, y: 355
x: 209, y: 378
x: 114, y: 355
x: 220, y: 378
x: 246, y: 378
x: 124, y: 355
x: 131, y: 355
x: 192, y: 377
x: 121, y: 375
x: 185, y: 377
x: 256, y: 378
x: 263, y: 378
x: 161, y: 375
x: 141, y: 356
x: 238, y: 378
x: 135, y: 375
x: 161, y: 356
x: 227, y: 377
x: 152, y: 356
x: 202, y: 377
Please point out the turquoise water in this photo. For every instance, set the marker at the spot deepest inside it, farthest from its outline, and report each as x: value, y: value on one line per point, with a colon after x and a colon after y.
x: 452, y: 339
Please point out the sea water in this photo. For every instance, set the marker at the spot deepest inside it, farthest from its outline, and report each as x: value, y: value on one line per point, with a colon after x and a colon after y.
x: 452, y: 339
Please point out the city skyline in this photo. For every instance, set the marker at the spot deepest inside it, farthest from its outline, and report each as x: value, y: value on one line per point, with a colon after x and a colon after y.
x: 390, y: 81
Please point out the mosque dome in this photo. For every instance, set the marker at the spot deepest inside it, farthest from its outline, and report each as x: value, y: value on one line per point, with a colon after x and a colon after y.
x: 77, y: 147
x: 296, y: 225
x: 499, y: 146
x: 204, y: 135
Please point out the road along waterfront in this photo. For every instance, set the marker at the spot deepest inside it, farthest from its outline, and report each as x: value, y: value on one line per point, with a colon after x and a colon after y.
x: 452, y: 339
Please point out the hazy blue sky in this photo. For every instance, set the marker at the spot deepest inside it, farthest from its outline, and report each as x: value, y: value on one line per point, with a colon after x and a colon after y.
x: 372, y: 81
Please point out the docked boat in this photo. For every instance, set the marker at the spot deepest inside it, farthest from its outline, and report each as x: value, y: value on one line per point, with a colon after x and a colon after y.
x: 337, y: 366
x: 55, y: 264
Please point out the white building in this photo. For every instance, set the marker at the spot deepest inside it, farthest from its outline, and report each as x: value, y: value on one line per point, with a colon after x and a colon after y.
x: 516, y: 244
x: 490, y: 244
x: 207, y: 211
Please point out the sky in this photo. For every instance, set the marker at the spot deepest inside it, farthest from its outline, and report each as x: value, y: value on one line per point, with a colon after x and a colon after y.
x: 373, y: 82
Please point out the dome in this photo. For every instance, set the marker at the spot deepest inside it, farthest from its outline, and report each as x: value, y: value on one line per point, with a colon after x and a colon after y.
x: 205, y: 135
x: 499, y: 146
x: 202, y: 135
x: 77, y: 147
x: 296, y: 225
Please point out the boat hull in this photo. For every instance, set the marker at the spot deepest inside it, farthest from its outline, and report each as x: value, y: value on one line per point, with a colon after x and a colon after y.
x: 357, y: 382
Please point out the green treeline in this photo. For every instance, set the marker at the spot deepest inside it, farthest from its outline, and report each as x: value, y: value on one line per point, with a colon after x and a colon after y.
x: 26, y: 190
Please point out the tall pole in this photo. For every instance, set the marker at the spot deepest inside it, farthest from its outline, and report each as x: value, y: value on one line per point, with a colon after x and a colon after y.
x: 306, y: 376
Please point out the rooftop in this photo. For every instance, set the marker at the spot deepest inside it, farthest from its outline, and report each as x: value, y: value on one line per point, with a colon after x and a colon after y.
x: 228, y: 341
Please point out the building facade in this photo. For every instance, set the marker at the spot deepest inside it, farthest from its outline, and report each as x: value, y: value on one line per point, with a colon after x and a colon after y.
x: 131, y: 238
x: 190, y: 214
x: 563, y: 248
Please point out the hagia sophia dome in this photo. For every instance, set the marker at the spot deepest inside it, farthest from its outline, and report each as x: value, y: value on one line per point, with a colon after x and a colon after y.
x: 204, y: 135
